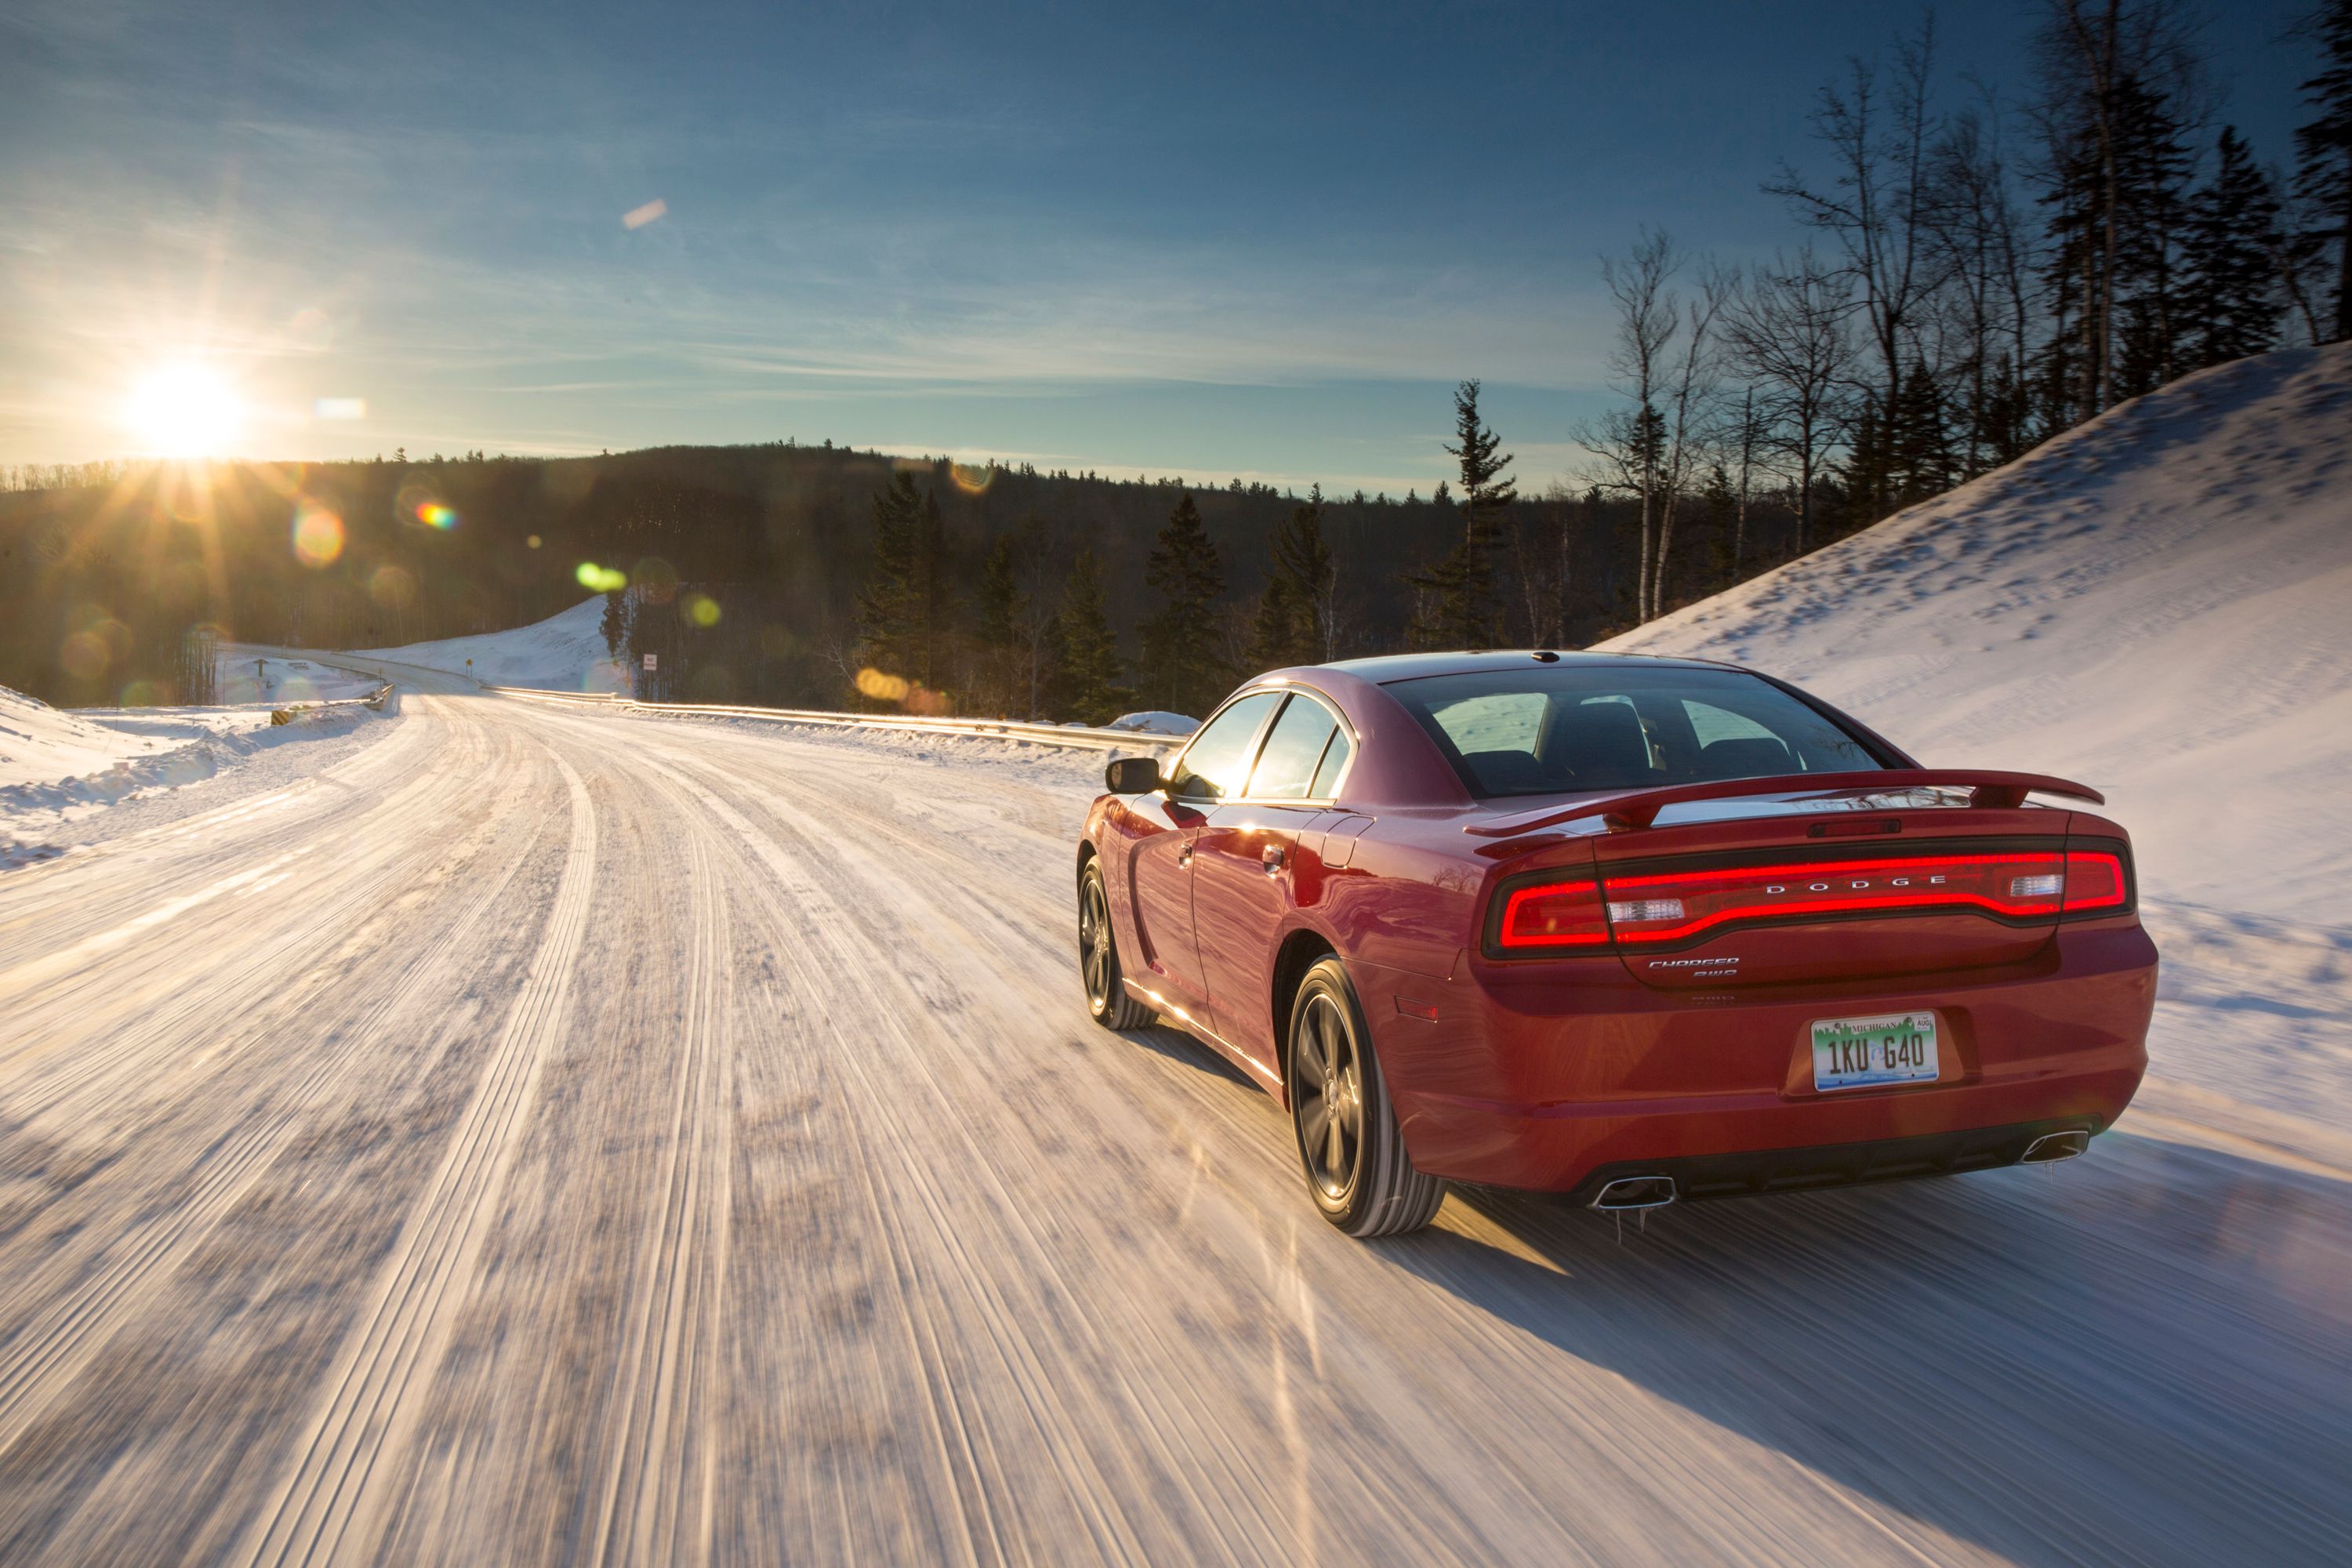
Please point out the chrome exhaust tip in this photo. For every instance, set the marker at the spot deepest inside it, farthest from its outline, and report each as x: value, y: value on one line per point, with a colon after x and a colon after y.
x: 1635, y: 1193
x: 2052, y: 1146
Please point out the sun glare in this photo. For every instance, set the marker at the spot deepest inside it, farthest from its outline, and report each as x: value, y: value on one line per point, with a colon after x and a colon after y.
x: 183, y: 411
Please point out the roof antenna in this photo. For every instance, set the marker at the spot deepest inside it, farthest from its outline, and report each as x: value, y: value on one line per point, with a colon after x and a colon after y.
x: 1544, y: 655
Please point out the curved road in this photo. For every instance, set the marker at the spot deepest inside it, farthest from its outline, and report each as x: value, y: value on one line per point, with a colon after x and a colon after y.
x: 551, y: 1136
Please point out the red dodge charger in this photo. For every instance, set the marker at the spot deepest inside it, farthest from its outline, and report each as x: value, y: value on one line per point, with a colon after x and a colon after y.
x: 1638, y: 930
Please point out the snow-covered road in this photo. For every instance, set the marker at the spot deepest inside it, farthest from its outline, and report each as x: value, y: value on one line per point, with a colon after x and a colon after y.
x: 544, y: 1135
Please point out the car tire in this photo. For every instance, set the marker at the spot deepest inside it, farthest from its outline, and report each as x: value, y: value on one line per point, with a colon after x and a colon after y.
x: 1348, y: 1144
x: 1098, y: 971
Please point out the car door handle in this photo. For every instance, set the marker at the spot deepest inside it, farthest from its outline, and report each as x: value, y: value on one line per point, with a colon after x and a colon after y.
x: 1183, y: 855
x: 1272, y: 858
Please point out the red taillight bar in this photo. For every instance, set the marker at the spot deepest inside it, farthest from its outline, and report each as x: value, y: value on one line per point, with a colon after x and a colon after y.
x: 1678, y: 906
x: 1701, y: 901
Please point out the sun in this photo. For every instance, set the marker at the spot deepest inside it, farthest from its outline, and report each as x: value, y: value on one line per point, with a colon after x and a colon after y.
x: 184, y: 411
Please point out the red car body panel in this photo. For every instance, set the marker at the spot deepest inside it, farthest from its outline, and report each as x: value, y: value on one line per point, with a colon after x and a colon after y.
x: 1536, y: 1072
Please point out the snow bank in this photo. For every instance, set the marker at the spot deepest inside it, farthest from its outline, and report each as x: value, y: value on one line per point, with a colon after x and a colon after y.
x: 565, y: 652
x: 2159, y: 605
x: 1155, y: 722
x: 58, y: 767
x: 40, y: 744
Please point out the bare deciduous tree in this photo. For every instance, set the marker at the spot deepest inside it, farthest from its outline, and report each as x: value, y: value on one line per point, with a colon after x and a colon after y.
x: 1987, y: 263
x: 1689, y: 421
x: 1876, y: 209
x: 1790, y: 336
x: 1666, y: 362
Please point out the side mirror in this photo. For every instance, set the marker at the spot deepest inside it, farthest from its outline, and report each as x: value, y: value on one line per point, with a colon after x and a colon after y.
x: 1133, y: 775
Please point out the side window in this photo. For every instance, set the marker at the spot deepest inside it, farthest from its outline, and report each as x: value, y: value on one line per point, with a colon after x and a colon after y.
x: 1214, y: 764
x: 1285, y: 767
x: 1335, y: 762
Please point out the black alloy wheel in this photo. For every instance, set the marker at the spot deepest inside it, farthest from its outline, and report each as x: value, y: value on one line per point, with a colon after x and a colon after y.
x: 1107, y: 998
x: 1357, y: 1168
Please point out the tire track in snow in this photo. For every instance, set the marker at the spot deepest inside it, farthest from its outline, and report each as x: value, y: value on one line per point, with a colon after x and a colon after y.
x: 128, y: 1033
x: 657, y: 1495
x: 901, y: 1091
x: 41, y: 1358
x: 360, y: 1415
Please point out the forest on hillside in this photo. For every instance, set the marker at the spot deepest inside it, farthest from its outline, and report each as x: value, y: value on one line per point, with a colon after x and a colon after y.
x: 1981, y: 274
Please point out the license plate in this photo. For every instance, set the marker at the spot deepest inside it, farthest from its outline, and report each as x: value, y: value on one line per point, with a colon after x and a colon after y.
x: 1857, y: 1053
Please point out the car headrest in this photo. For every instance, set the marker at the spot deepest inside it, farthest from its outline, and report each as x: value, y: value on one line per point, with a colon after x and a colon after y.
x: 1601, y: 743
x: 1747, y: 757
x: 1505, y: 773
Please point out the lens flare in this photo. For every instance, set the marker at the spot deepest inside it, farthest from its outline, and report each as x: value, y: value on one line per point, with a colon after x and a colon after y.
x: 972, y: 479
x: 392, y: 587
x: 881, y: 687
x: 601, y: 579
x: 701, y: 609
x: 318, y: 535
x: 433, y: 514
x: 83, y: 656
x: 656, y: 580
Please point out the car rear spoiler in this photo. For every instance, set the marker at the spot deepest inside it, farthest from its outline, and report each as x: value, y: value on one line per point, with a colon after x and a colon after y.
x: 1640, y: 808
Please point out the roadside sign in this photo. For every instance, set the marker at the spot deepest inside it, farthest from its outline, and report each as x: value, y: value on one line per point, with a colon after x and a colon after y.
x: 650, y: 661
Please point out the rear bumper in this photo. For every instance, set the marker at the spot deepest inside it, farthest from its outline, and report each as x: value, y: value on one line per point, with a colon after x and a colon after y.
x: 1545, y: 1080
x: 1838, y: 1165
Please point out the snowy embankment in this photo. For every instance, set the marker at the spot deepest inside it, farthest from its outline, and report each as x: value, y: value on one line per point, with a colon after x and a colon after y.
x: 2159, y: 605
x: 60, y: 767
x: 565, y: 652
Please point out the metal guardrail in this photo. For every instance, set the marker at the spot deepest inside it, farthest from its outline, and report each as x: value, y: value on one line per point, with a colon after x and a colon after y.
x: 1071, y: 737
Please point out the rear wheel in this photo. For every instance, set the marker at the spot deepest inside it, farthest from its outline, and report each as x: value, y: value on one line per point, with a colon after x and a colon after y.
x: 1357, y: 1169
x: 1106, y: 997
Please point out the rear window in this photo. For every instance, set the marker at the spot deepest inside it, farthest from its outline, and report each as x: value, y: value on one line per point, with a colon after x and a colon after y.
x: 1555, y: 728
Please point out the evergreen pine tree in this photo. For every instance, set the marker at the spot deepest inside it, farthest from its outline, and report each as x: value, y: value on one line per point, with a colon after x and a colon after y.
x: 1087, y: 649
x: 1303, y: 563
x: 1919, y: 447
x: 930, y: 602
x: 2228, y: 256
x: 2323, y: 148
x: 1275, y: 634
x: 997, y: 611
x: 2153, y: 166
x: 615, y: 624
x: 1181, y: 667
x: 1722, y: 500
x: 887, y: 608
x: 1458, y: 593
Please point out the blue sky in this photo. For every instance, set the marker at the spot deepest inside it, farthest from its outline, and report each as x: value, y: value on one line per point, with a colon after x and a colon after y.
x: 1201, y: 239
